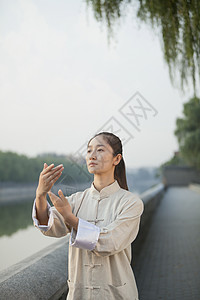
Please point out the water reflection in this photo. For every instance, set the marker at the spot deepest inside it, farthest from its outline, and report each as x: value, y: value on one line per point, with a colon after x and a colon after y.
x: 15, y: 216
x: 19, y: 239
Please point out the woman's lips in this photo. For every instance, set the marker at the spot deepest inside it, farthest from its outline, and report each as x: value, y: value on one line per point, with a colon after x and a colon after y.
x: 92, y: 164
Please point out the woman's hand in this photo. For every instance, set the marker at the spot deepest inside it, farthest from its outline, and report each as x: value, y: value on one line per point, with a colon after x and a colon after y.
x: 63, y: 207
x: 47, y: 178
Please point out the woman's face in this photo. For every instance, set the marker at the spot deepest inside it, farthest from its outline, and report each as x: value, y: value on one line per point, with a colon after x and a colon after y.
x: 99, y: 156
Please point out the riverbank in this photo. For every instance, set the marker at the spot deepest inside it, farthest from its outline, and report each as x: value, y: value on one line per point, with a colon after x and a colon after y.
x: 17, y: 192
x: 13, y: 192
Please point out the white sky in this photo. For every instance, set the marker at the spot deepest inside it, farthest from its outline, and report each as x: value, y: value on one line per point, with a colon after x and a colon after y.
x: 60, y: 81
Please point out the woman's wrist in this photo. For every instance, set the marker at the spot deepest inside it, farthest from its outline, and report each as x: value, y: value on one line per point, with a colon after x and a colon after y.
x: 41, y: 209
x: 41, y: 201
x: 40, y: 195
x: 72, y: 221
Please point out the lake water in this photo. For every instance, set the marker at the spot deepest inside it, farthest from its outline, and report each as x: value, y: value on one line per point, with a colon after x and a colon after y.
x: 19, y: 239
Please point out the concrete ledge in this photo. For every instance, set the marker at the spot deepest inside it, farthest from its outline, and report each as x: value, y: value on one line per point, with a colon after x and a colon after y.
x: 39, y: 277
x: 151, y: 199
x: 43, y: 276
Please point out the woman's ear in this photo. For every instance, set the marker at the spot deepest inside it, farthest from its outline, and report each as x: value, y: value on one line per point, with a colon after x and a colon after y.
x: 117, y: 159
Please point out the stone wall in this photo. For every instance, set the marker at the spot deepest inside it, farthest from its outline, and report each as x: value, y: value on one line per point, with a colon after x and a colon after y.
x: 177, y: 175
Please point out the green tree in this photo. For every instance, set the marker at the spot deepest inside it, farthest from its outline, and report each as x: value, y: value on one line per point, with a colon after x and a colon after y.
x: 20, y: 168
x: 176, y: 160
x: 178, y: 23
x: 188, y: 132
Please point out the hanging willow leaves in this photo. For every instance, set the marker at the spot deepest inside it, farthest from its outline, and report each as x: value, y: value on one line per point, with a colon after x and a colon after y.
x: 179, y: 25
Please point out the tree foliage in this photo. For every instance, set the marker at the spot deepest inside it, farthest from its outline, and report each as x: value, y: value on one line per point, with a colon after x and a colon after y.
x: 175, y: 160
x: 179, y: 25
x: 20, y: 168
x: 188, y: 132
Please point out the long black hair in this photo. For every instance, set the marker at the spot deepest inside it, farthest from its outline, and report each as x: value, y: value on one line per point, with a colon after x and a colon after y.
x: 120, y: 169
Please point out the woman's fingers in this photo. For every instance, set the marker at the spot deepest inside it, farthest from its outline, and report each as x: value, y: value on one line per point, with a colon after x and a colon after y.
x: 47, y: 169
x: 55, y: 178
x: 58, y: 201
x: 49, y: 176
x: 61, y: 204
x: 56, y: 170
x: 52, y: 172
x: 57, y: 167
x: 55, y: 175
x: 54, y: 199
x: 64, y: 199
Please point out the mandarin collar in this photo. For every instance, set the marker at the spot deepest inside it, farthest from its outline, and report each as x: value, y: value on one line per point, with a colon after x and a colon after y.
x: 106, y: 191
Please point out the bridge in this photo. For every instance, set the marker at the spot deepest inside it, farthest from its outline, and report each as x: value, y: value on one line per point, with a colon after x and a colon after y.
x: 166, y: 256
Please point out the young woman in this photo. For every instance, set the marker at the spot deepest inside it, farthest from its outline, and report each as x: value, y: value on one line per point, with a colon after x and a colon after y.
x: 103, y: 221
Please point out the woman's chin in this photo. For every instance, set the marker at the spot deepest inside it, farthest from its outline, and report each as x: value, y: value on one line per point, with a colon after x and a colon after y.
x: 92, y: 171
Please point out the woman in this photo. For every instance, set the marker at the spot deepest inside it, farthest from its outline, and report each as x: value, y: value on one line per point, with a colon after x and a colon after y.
x: 103, y: 221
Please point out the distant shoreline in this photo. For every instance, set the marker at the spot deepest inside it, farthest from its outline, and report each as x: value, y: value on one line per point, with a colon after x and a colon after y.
x: 12, y: 192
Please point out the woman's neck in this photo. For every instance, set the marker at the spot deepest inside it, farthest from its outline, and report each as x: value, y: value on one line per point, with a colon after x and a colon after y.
x: 101, y: 181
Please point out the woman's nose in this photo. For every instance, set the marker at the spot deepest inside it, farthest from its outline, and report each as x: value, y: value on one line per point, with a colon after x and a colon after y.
x: 92, y: 155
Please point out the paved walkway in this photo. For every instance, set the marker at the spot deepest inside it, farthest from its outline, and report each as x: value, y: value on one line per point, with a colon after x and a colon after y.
x: 168, y: 267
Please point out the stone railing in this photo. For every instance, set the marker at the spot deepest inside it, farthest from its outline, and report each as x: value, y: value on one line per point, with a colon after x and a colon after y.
x: 43, y: 276
x: 39, y: 277
x: 151, y: 199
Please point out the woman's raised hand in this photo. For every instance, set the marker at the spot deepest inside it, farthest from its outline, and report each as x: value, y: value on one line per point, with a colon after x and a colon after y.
x: 61, y: 204
x: 63, y: 207
x: 47, y: 178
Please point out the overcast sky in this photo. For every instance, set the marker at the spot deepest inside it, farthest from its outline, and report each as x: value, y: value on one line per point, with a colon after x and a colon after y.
x: 60, y: 83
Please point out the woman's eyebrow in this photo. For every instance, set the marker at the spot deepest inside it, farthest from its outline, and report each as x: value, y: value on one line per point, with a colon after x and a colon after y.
x: 96, y: 145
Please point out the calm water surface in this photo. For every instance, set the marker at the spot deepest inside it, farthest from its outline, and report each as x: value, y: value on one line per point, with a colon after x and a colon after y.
x: 18, y: 237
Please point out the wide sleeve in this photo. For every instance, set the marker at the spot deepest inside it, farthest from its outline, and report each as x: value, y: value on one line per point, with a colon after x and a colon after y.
x: 56, y: 226
x: 122, y: 231
x: 86, y: 235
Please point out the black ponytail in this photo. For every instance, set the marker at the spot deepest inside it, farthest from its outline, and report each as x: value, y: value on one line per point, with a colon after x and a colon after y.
x: 120, y: 174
